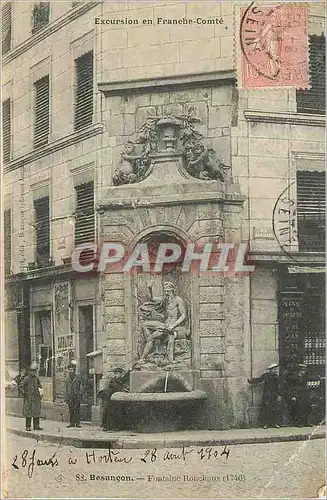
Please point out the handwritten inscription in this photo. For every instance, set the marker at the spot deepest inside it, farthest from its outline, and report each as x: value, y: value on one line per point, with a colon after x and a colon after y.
x: 29, y: 460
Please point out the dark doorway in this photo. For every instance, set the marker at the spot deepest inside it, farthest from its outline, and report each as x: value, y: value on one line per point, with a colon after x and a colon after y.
x: 86, y: 342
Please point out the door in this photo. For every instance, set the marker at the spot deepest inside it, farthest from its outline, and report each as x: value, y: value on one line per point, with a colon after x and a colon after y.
x: 86, y: 343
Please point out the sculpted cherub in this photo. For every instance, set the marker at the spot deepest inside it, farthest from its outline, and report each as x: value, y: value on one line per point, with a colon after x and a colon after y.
x: 125, y: 174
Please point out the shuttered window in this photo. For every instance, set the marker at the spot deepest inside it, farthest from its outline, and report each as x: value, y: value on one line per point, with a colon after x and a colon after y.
x: 313, y: 100
x: 7, y: 241
x: 42, y: 112
x: 41, y: 16
x: 6, y: 27
x: 84, y: 90
x: 84, y: 216
x: 6, y: 130
x: 311, y: 210
x: 42, y: 229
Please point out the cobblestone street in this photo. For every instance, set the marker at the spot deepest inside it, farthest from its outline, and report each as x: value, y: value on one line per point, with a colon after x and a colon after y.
x: 286, y: 469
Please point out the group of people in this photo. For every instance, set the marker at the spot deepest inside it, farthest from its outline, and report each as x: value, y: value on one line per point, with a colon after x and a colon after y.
x: 288, y: 400
x: 285, y: 401
x: 30, y: 389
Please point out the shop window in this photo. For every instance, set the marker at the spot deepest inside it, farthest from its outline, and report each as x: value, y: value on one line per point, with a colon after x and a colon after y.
x: 84, y: 91
x: 7, y: 241
x: 313, y: 100
x: 6, y: 131
x: 85, y: 219
x: 42, y: 229
x: 42, y: 112
x: 40, y: 15
x: 6, y: 27
x: 43, y: 342
x: 311, y: 208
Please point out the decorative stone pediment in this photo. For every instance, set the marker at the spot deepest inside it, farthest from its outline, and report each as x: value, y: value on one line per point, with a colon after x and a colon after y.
x: 169, y: 137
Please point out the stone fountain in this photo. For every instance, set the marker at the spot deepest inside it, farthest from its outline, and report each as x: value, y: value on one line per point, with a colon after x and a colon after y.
x: 170, y: 186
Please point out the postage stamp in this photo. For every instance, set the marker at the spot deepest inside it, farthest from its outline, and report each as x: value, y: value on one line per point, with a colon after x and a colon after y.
x: 274, y: 47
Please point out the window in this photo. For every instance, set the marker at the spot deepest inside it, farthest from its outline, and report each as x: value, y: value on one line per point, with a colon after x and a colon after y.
x: 42, y: 229
x: 6, y: 130
x: 6, y: 27
x: 84, y: 90
x: 311, y: 207
x: 43, y: 342
x: 7, y: 241
x: 41, y: 16
x: 313, y: 100
x: 84, y: 216
x: 42, y: 112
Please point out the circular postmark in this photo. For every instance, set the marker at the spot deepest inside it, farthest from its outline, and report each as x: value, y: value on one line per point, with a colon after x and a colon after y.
x: 261, y: 39
x: 284, y: 221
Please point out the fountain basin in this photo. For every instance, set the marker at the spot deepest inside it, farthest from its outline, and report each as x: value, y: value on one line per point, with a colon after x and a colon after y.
x: 158, y: 396
x: 156, y: 411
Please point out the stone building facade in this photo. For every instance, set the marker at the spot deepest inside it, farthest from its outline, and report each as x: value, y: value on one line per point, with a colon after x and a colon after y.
x: 238, y: 325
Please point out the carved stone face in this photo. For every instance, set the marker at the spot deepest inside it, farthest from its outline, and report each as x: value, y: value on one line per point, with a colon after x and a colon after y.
x: 129, y: 148
x: 169, y: 290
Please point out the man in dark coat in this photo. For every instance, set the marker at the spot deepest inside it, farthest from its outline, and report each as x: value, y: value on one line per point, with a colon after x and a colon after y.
x: 108, y: 386
x: 31, y: 391
x: 74, y: 391
x: 298, y: 397
x: 271, y: 397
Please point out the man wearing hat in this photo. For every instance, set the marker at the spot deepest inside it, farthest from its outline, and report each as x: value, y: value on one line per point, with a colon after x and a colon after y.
x: 271, y: 397
x: 108, y: 386
x: 32, y: 392
x: 74, y: 392
x: 298, y: 396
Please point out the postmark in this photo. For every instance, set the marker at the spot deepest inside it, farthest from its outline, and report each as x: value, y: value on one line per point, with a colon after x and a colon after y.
x: 273, y: 46
x: 284, y: 220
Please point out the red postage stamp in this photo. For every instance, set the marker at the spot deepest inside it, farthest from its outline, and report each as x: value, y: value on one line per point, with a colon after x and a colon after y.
x: 274, y: 46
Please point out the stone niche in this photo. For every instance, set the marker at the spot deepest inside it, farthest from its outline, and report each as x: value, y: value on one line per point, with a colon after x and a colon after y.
x: 171, y: 185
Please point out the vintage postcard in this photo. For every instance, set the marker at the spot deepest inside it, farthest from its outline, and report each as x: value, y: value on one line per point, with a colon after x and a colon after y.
x: 163, y: 242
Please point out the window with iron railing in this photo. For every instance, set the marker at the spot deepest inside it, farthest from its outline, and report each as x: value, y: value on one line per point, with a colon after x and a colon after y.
x: 42, y: 230
x: 7, y: 241
x: 6, y: 130
x: 41, y: 112
x: 40, y: 16
x: 6, y: 27
x: 311, y: 211
x: 83, y: 91
x: 313, y: 101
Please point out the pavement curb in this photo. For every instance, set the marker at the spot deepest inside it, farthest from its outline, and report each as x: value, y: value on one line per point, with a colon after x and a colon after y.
x: 136, y: 442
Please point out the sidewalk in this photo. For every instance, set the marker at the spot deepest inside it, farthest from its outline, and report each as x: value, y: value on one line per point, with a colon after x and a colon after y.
x: 93, y: 437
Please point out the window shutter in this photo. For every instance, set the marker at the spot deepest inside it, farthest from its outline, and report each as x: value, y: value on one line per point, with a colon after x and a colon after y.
x: 311, y: 208
x: 84, y: 91
x: 84, y: 216
x: 42, y: 112
x: 6, y: 130
x: 7, y: 241
x: 313, y: 100
x: 41, y: 16
x: 6, y: 27
x: 42, y: 229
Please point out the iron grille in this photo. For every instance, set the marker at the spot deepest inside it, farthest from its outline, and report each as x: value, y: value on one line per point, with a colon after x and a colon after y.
x: 6, y: 27
x: 42, y: 229
x: 311, y: 209
x: 7, y: 241
x: 84, y: 216
x: 84, y: 91
x: 41, y: 16
x: 6, y: 130
x: 42, y: 112
x: 313, y: 100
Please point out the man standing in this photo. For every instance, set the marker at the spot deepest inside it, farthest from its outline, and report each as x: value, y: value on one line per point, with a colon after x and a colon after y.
x: 108, y: 386
x: 31, y: 391
x: 271, y: 397
x: 298, y: 397
x: 74, y: 391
